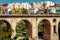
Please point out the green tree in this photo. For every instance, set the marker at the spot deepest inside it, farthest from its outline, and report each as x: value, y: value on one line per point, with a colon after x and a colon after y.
x: 5, y: 31
x: 21, y: 30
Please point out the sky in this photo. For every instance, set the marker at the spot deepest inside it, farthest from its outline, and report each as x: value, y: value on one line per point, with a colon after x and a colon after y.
x: 29, y: 1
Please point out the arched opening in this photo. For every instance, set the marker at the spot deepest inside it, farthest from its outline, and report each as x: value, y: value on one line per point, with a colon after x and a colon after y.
x: 44, y: 30
x: 59, y: 30
x: 5, y: 30
x: 54, y: 29
x: 54, y: 20
x: 24, y: 30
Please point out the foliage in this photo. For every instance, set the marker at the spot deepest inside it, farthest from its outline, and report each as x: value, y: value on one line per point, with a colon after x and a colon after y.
x: 41, y: 30
x: 21, y: 31
x: 5, y: 31
x: 41, y: 27
x: 44, y: 4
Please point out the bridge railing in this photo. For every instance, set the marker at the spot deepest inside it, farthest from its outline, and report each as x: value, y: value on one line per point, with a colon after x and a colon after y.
x: 36, y: 14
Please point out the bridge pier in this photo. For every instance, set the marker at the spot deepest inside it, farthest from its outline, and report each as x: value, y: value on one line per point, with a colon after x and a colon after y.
x: 54, y: 36
x: 34, y: 29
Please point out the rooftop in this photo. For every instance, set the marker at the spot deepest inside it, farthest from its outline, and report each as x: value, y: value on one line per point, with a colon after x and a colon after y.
x: 57, y: 5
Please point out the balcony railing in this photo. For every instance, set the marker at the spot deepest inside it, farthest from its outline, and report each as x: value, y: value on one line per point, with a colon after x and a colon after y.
x: 32, y: 14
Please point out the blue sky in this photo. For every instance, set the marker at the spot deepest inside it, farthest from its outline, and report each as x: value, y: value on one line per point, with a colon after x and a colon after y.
x: 30, y: 1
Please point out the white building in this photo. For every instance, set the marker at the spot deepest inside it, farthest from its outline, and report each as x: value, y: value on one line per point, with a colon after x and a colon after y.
x: 33, y: 10
x: 37, y: 5
x: 11, y: 5
x: 49, y: 3
x: 26, y: 5
x: 17, y: 5
x: 53, y: 10
x: 14, y: 5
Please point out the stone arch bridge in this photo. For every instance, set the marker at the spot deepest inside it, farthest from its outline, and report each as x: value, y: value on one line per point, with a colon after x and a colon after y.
x: 34, y: 21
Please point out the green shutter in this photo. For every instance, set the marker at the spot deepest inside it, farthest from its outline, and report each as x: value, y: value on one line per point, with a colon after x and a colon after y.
x: 57, y: 11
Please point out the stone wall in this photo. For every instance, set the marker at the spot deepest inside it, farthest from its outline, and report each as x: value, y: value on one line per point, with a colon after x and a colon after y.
x: 34, y: 22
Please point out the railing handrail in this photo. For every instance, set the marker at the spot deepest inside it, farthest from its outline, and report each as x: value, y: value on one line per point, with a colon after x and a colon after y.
x: 41, y: 14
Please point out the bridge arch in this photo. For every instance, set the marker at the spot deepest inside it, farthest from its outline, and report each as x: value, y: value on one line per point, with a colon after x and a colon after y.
x: 6, y: 22
x: 59, y: 30
x: 6, y: 28
x: 25, y: 24
x: 44, y: 29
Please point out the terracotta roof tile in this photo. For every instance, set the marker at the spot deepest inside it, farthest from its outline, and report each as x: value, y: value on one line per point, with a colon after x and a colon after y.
x: 57, y: 4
